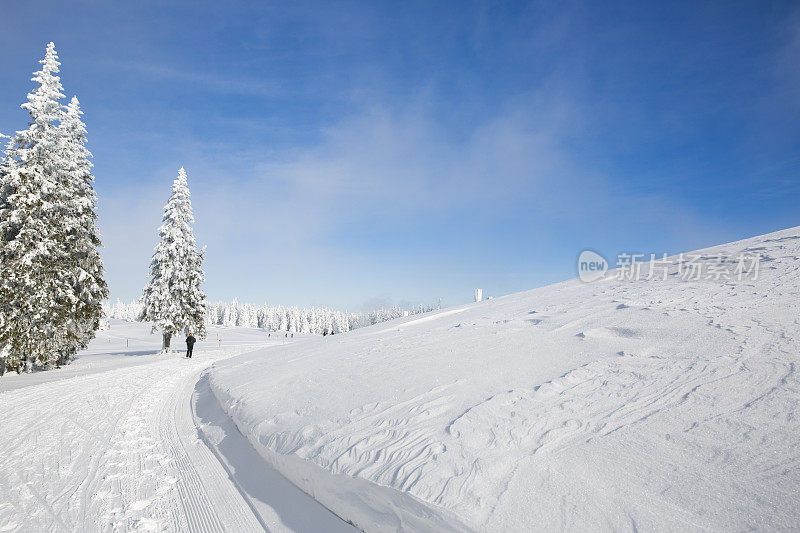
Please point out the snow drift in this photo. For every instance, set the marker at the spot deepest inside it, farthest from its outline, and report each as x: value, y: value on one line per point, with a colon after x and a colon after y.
x: 667, y: 404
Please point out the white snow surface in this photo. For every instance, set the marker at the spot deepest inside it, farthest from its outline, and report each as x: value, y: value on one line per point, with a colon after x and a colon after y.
x: 615, y: 405
x: 137, y: 443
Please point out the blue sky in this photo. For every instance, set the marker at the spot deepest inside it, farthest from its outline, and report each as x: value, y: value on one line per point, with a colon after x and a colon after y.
x: 355, y: 154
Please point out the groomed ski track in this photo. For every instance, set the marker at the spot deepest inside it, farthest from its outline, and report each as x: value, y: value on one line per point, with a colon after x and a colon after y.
x: 119, y: 450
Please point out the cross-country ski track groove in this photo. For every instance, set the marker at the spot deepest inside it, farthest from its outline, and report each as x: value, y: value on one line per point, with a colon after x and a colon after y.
x: 119, y: 451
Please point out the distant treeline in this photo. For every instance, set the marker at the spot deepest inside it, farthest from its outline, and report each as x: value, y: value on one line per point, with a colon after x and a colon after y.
x: 315, y: 320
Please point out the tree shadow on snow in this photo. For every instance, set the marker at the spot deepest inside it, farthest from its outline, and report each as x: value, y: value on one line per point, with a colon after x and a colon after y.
x: 137, y: 353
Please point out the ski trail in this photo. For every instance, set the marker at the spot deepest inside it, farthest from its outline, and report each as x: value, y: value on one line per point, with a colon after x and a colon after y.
x: 199, y: 469
x: 116, y: 451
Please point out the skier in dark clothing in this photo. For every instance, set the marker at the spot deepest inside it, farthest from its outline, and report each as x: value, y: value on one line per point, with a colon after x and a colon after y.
x: 190, y: 340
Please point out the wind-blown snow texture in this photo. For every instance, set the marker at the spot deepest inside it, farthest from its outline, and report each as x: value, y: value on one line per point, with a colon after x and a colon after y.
x: 613, y: 405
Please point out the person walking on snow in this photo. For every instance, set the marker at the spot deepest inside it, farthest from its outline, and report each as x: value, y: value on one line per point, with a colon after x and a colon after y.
x: 190, y: 340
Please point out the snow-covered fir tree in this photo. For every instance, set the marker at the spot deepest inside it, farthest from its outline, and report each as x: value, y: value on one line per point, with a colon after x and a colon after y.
x: 80, y: 233
x: 51, y: 285
x: 173, y: 300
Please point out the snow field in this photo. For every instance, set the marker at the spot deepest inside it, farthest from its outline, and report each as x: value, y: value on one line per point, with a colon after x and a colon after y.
x: 667, y: 405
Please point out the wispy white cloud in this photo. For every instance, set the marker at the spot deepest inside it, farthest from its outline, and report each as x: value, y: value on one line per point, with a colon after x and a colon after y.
x: 202, y: 79
x: 287, y: 218
x: 402, y: 160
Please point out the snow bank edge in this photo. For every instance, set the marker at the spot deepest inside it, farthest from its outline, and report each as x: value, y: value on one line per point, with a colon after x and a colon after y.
x: 366, y: 505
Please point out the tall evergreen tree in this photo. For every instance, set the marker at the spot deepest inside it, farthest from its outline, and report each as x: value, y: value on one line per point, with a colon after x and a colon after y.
x: 36, y: 300
x: 80, y: 235
x: 173, y: 299
x: 51, y: 284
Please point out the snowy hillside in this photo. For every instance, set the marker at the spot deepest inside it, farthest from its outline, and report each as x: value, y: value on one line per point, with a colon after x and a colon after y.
x: 668, y: 404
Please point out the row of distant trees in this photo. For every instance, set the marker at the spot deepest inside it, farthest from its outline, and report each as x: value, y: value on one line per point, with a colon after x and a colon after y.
x: 314, y: 320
